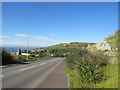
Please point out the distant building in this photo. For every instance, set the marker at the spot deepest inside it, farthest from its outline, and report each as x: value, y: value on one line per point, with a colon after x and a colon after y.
x: 51, y: 55
x: 36, y: 55
x: 25, y: 54
x: 24, y: 51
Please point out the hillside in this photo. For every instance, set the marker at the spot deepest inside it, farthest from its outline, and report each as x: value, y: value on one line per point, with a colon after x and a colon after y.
x: 112, y: 69
x: 62, y: 49
x: 71, y: 45
x: 109, y: 44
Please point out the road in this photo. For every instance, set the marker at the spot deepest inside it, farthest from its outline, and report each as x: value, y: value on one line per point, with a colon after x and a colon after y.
x: 28, y: 75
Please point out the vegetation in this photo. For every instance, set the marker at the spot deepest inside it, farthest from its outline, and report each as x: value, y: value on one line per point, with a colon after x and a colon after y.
x: 86, y: 66
x: 63, y: 49
x: 23, y: 58
x: 114, y: 40
x: 59, y: 50
x: 8, y: 58
x: 92, y: 68
x: 112, y: 77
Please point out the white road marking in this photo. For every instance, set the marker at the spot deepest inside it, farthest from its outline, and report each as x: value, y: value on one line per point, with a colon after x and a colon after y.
x: 1, y: 75
x: 28, y: 68
x: 59, y: 62
x: 43, y: 63
x: 37, y: 65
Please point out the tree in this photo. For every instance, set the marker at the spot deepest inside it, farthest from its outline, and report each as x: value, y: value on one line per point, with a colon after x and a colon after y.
x: 7, y: 58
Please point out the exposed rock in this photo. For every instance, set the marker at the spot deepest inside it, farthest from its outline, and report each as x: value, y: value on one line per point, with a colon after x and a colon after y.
x: 88, y: 45
x: 110, y: 53
x: 103, y: 45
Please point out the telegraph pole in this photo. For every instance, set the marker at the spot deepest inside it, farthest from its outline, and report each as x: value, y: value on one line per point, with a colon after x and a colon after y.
x: 28, y: 45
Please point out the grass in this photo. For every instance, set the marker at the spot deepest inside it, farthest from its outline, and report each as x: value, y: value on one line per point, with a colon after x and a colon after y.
x: 75, y: 79
x: 112, y: 81
x: 113, y: 40
x: 23, y: 58
x: 111, y: 71
x: 83, y: 68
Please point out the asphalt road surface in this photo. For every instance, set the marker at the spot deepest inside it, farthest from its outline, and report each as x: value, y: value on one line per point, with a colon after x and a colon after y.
x: 28, y: 75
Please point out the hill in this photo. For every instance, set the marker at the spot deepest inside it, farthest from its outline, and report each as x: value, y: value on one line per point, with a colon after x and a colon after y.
x: 111, y: 48
x: 63, y: 49
x: 109, y: 45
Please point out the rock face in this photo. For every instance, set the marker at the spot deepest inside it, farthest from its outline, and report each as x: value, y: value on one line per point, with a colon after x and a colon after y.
x: 103, y: 45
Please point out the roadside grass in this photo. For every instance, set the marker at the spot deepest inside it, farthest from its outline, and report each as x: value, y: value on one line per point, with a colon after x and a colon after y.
x: 112, y: 81
x: 111, y: 71
x: 92, y: 70
x: 75, y: 79
x: 23, y: 58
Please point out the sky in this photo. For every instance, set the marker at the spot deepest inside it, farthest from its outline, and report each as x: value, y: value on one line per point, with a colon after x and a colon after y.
x: 50, y: 23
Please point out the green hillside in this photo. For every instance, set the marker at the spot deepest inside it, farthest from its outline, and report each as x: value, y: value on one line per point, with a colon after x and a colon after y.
x: 63, y: 49
x: 112, y: 69
x: 113, y: 40
x: 93, y: 67
x: 71, y: 45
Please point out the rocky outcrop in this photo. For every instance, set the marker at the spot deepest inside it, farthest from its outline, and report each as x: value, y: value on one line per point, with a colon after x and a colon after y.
x: 103, y: 45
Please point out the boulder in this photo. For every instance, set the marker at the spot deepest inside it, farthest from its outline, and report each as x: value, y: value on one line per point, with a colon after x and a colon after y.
x: 103, y: 45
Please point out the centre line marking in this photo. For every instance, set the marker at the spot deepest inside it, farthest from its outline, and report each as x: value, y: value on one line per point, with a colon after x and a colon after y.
x: 35, y: 65
x: 27, y: 68
x: 1, y: 75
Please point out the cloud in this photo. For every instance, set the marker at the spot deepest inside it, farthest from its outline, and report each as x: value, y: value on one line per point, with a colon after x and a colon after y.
x: 38, y: 37
x: 20, y: 35
x: 2, y: 37
x: 45, y: 38
x: 34, y: 41
x: 53, y: 35
x: 19, y: 43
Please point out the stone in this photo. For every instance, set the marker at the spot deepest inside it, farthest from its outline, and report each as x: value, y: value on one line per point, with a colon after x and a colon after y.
x: 103, y: 45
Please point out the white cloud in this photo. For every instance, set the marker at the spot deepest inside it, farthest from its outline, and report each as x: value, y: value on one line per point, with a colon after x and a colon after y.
x: 21, y: 35
x: 53, y: 35
x: 2, y: 37
x: 19, y: 43
x: 13, y: 43
x: 38, y: 37
x: 34, y: 41
x: 45, y: 38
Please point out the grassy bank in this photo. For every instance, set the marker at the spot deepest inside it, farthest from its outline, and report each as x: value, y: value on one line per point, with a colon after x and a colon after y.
x: 111, y: 81
x: 23, y: 58
x: 91, y: 70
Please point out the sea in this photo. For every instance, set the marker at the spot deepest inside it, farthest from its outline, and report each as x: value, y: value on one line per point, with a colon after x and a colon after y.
x: 15, y: 49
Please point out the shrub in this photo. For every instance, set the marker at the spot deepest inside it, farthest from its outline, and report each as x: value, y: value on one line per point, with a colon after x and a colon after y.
x: 88, y: 64
x: 7, y: 58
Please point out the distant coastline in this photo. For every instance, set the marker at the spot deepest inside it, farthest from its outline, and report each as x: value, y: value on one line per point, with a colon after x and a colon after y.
x: 14, y: 49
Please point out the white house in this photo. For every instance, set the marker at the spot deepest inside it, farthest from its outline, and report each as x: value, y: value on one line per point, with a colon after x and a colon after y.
x: 25, y: 54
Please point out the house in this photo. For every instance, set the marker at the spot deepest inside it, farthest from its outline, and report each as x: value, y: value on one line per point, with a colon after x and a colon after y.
x: 25, y: 54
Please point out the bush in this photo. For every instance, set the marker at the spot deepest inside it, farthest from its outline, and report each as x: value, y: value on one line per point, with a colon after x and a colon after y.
x: 88, y: 64
x: 7, y: 58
